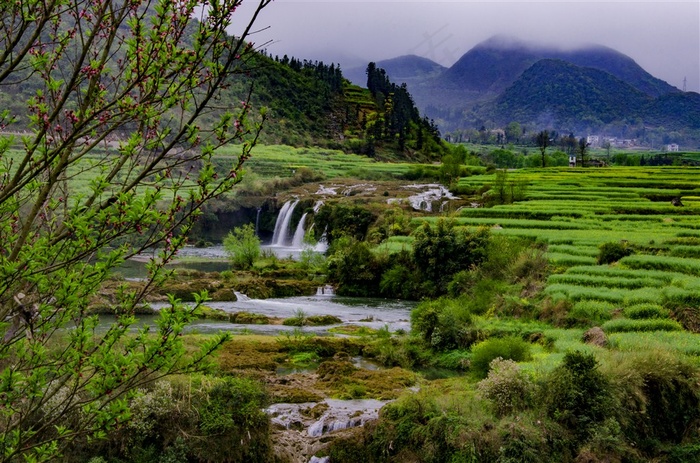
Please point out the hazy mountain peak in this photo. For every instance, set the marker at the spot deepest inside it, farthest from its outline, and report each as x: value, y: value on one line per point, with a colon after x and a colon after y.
x: 503, y: 42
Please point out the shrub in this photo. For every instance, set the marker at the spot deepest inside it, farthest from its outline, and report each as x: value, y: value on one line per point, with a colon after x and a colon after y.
x: 443, y: 323
x: 661, y: 396
x: 505, y: 386
x: 612, y: 252
x: 509, y: 348
x: 242, y: 246
x: 577, y: 395
x: 299, y: 319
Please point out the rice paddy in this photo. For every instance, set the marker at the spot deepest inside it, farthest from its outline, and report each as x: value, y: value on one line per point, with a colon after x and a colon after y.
x: 654, y: 212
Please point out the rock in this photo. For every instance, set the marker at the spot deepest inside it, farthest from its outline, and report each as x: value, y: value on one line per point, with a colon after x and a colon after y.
x: 677, y: 202
x: 596, y: 337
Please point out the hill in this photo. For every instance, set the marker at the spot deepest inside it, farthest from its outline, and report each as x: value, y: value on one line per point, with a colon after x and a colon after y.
x: 504, y: 79
x: 310, y: 103
x: 409, y: 69
x: 559, y: 94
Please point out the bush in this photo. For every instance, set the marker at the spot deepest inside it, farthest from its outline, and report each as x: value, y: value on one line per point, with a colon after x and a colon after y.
x: 612, y: 252
x: 661, y: 396
x: 509, y: 348
x: 242, y: 246
x: 443, y: 324
x: 194, y: 418
x: 505, y: 386
x: 577, y: 395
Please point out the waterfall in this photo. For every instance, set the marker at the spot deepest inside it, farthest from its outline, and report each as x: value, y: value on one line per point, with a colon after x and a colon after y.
x: 279, y: 238
x: 325, y: 291
x: 298, y: 240
x: 317, y: 206
x: 257, y: 221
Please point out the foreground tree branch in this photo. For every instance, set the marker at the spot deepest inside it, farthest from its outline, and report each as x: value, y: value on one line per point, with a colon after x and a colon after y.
x: 117, y: 161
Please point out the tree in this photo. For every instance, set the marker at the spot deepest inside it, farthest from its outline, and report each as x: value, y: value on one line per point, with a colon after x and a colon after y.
x: 242, y: 246
x: 118, y: 159
x: 583, y: 150
x: 442, y: 250
x: 542, y: 140
x: 513, y: 132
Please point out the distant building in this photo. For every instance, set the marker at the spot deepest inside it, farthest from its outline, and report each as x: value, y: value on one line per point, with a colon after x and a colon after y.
x: 593, y: 140
x: 572, y: 160
x: 673, y: 147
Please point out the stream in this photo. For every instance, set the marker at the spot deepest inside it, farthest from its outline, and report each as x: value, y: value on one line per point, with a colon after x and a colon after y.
x: 393, y: 315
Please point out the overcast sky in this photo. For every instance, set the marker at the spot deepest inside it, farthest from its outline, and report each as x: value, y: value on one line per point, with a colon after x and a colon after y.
x: 662, y: 37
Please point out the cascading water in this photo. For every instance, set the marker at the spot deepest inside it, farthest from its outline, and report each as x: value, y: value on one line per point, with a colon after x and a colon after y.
x: 284, y: 243
x: 298, y: 240
x: 257, y: 221
x: 279, y: 238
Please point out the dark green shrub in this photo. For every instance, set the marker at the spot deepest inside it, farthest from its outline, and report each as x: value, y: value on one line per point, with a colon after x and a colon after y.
x: 577, y: 395
x: 355, y: 268
x: 612, y: 252
x: 443, y: 323
x: 342, y: 220
x: 442, y: 250
x: 660, y: 401
x: 509, y: 348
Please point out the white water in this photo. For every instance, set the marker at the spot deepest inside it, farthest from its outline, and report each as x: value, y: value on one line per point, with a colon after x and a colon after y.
x: 340, y: 414
x: 431, y: 197
x: 298, y: 240
x: 325, y: 291
x: 370, y: 313
x: 285, y: 247
x: 281, y: 233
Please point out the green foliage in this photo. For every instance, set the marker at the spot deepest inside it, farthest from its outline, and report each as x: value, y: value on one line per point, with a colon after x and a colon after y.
x: 577, y: 395
x: 612, y: 252
x: 342, y: 220
x: 441, y: 251
x: 354, y: 267
x: 242, y: 246
x: 312, y: 261
x: 443, y: 324
x: 660, y: 396
x: 193, y: 419
x: 505, y: 191
x: 117, y: 158
x: 590, y: 313
x: 506, y: 386
x: 508, y: 348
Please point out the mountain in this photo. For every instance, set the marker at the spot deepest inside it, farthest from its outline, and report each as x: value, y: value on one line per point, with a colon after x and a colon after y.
x: 504, y: 79
x: 495, y: 64
x: 554, y: 92
x: 408, y: 69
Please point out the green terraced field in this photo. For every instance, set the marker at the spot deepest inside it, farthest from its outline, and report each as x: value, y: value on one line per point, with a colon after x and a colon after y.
x: 574, y: 211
